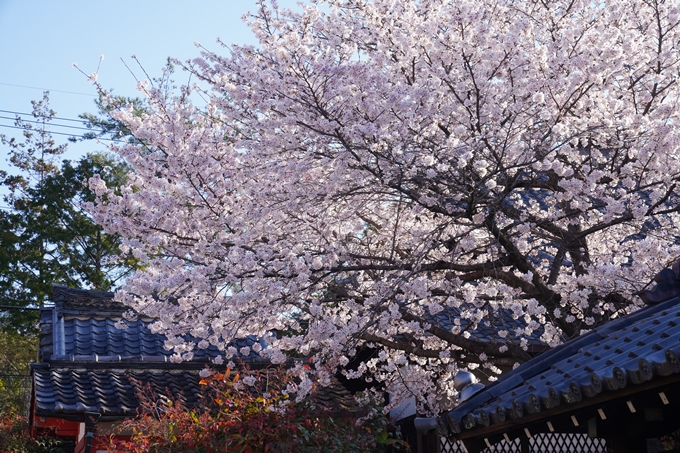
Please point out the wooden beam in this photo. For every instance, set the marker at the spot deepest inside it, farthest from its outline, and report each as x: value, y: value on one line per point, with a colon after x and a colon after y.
x: 604, y: 398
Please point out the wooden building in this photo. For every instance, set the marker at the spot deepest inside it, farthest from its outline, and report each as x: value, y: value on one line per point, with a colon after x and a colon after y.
x: 89, y: 370
x: 609, y: 390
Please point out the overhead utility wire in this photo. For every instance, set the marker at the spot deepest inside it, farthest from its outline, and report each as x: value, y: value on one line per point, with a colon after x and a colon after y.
x: 60, y: 133
x: 47, y: 89
x: 49, y: 124
x: 30, y: 114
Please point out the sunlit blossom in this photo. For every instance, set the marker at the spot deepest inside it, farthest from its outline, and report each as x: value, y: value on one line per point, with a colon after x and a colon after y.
x: 348, y: 184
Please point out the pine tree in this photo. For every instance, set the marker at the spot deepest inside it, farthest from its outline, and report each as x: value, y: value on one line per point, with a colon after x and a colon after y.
x: 46, y: 236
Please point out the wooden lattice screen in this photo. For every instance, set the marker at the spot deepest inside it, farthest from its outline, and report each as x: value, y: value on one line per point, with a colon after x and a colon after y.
x: 540, y: 443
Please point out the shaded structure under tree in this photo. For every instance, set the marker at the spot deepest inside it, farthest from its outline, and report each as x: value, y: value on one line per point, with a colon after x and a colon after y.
x: 619, y: 382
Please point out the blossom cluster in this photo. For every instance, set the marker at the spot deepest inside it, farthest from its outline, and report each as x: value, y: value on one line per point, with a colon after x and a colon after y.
x: 372, y: 168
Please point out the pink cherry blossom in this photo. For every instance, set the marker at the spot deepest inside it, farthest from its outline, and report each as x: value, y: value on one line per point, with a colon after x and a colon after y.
x: 373, y: 164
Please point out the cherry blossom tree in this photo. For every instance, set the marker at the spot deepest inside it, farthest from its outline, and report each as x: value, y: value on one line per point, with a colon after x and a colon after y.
x: 371, y: 165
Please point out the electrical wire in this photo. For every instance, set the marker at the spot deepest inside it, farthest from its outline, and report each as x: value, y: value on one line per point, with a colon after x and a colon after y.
x: 52, y: 124
x: 60, y: 133
x: 49, y: 124
x: 47, y: 89
x: 30, y: 114
x: 22, y: 129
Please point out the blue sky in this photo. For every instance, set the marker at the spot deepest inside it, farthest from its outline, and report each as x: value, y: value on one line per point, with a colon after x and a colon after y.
x: 41, y: 39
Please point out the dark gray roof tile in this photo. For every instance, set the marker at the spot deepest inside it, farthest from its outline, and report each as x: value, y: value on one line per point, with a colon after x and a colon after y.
x: 487, y: 329
x: 113, y: 393
x: 628, y: 351
x: 100, y: 368
x: 85, y: 338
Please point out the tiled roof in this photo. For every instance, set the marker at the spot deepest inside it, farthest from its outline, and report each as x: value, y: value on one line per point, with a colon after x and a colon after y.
x: 88, y: 364
x: 82, y: 327
x: 334, y: 397
x: 113, y: 393
x: 110, y: 392
x: 487, y: 329
x: 76, y: 300
x: 634, y: 350
x: 93, y: 336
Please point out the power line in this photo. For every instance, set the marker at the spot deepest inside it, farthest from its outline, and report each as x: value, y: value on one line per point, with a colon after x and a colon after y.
x: 47, y: 89
x: 22, y: 129
x: 81, y: 121
x: 60, y: 133
x: 50, y: 124
x: 30, y: 114
x: 60, y: 118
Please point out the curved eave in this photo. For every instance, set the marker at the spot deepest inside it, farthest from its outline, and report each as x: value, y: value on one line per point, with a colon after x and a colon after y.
x: 658, y: 393
x: 630, y: 358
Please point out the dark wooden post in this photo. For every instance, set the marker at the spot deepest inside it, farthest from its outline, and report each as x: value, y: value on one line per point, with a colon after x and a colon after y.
x: 525, y: 447
x: 627, y: 445
x: 428, y: 443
